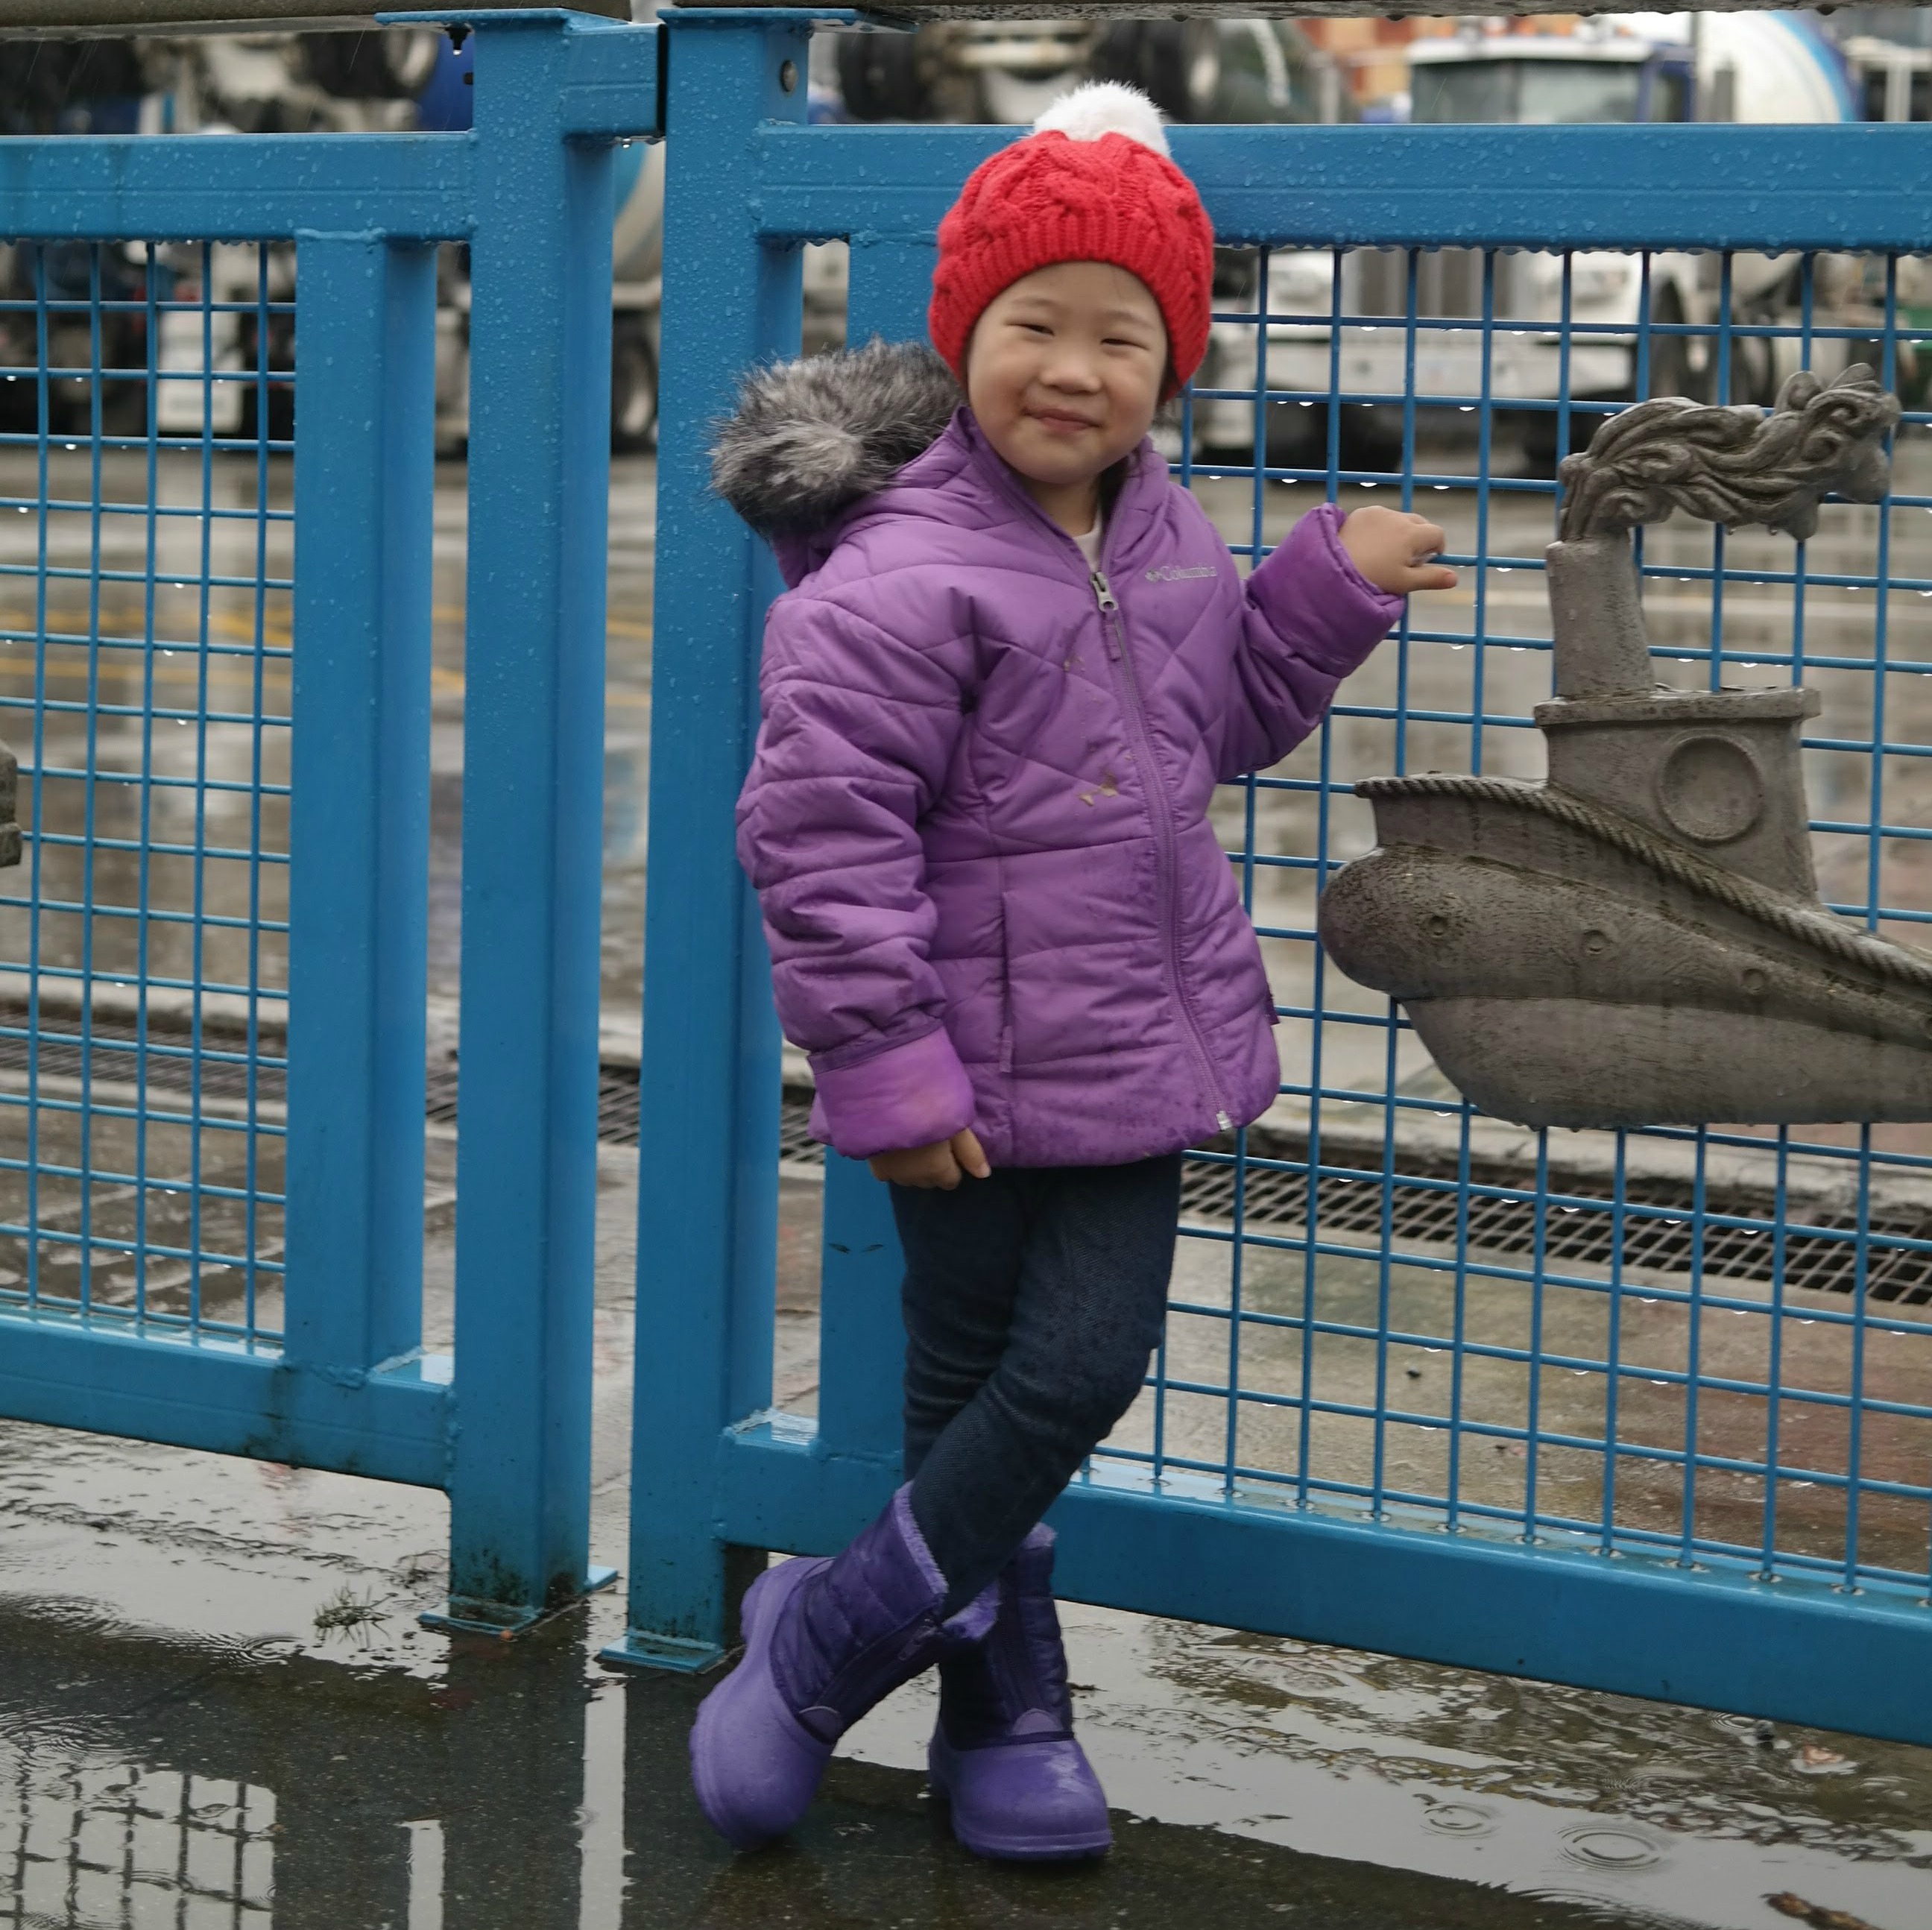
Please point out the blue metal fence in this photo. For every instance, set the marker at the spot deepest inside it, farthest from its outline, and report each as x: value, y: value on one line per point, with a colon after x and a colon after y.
x: 1646, y: 1412
x: 216, y: 476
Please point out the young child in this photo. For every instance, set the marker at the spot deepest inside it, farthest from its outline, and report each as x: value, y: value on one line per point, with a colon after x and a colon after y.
x: 1015, y: 660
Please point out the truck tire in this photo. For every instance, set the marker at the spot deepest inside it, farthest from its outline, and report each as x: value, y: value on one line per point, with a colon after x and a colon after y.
x: 1671, y: 373
x: 881, y: 78
x: 634, y: 387
x: 1177, y: 63
x: 1297, y: 438
x: 1540, y: 435
x: 370, y: 64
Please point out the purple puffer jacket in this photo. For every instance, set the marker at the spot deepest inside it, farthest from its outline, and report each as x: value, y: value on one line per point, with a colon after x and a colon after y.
x: 977, y: 818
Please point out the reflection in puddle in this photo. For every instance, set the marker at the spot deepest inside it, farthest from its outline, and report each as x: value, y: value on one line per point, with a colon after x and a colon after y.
x: 122, y: 1843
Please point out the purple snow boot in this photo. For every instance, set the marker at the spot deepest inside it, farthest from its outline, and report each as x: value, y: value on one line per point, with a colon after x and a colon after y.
x: 824, y: 1641
x: 1003, y: 1753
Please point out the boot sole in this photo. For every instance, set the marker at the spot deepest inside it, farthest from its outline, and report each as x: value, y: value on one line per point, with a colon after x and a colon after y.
x: 1073, y: 1847
x: 738, y: 1700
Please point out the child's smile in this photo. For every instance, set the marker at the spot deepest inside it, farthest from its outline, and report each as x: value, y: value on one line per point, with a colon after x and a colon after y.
x: 1063, y: 373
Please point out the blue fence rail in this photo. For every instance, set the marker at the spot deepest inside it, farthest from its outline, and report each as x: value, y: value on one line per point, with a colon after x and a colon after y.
x: 1644, y: 1412
x: 215, y: 426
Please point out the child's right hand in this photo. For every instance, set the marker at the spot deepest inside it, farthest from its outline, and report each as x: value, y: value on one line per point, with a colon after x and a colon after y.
x: 942, y: 1164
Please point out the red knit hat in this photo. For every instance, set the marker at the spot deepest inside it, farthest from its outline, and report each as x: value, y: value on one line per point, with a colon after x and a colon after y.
x: 1092, y: 182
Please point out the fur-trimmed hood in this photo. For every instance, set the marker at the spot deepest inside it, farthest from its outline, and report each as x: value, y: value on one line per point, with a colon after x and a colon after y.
x: 810, y: 438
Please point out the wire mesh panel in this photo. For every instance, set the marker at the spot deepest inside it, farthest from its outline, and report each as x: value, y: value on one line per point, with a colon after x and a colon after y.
x: 215, y: 668
x: 1711, y: 1346
x: 146, y: 412
x: 1636, y: 1412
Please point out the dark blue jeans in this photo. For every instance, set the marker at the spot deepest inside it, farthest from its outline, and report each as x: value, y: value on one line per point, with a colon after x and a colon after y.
x: 1033, y: 1300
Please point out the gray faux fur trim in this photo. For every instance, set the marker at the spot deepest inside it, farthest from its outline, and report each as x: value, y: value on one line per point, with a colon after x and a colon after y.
x: 810, y: 438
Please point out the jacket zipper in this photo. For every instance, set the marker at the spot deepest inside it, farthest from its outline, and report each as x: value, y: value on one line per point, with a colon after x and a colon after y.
x: 1163, y: 839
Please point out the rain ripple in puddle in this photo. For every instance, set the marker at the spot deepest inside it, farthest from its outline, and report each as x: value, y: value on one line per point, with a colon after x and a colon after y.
x: 1598, y: 1847
x: 1460, y: 1819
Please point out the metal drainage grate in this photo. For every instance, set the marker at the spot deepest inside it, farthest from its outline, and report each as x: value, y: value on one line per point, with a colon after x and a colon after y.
x: 795, y: 1139
x: 1581, y: 1237
x: 1664, y: 1240
x: 113, y: 1058
x: 617, y: 1101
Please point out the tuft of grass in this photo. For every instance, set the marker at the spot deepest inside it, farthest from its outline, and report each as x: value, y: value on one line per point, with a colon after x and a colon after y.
x: 344, y: 1610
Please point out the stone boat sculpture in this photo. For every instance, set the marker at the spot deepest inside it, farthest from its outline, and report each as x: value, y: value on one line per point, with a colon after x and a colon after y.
x: 1640, y: 939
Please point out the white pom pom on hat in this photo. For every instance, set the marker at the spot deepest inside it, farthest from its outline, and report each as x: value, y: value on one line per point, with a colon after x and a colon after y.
x: 1106, y: 107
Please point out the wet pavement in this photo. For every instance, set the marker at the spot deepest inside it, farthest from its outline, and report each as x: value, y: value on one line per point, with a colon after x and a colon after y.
x: 337, y: 1771
x: 215, y: 1701
x: 216, y: 1707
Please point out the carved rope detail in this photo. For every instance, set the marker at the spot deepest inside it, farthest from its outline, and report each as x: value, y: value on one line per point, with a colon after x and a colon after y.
x: 1741, y: 894
x: 1733, y: 466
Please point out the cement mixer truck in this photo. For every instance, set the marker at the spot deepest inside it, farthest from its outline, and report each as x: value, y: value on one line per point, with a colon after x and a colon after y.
x: 1625, y: 68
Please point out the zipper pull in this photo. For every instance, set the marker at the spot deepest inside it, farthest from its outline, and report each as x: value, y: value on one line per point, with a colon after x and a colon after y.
x: 1110, y: 612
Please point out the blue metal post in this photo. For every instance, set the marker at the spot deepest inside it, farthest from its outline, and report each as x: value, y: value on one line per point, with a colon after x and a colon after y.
x: 359, y: 807
x: 862, y: 1337
x: 708, y: 1146
x: 533, y: 734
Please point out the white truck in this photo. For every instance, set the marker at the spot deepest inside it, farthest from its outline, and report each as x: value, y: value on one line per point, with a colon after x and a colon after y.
x: 1626, y: 68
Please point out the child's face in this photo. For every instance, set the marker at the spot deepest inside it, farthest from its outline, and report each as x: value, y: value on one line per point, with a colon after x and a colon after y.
x: 1064, y: 372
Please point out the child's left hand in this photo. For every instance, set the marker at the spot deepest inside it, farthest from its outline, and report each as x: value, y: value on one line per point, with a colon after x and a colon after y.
x: 1392, y: 548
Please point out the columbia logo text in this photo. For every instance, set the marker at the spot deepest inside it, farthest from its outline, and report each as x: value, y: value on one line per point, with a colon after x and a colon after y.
x: 1174, y: 572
